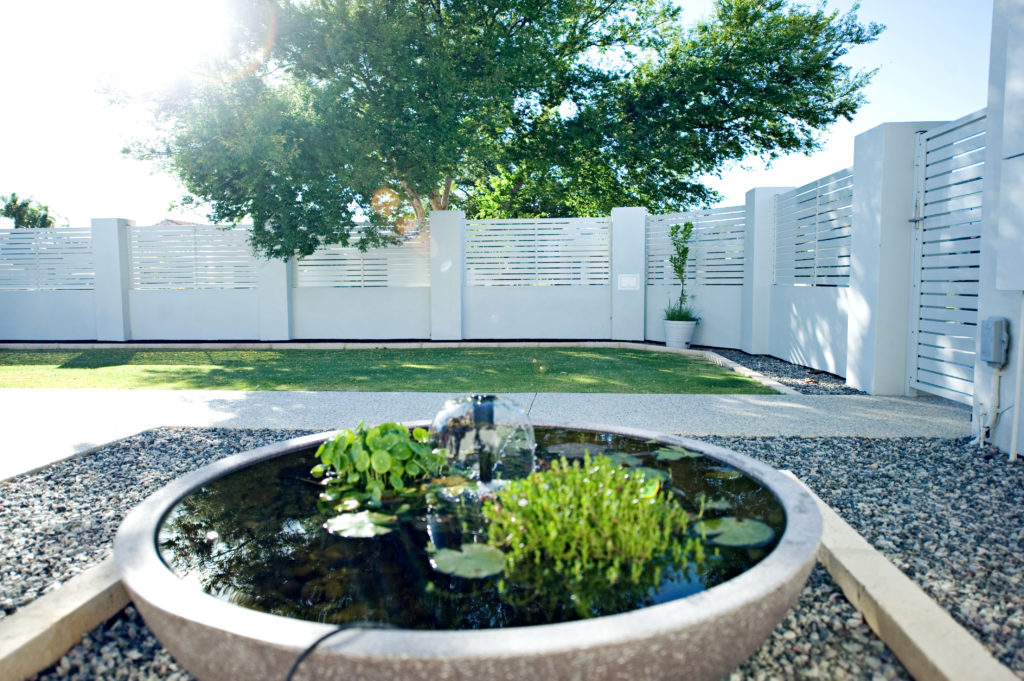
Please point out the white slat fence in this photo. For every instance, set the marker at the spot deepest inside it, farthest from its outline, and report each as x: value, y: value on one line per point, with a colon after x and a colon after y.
x: 813, y: 226
x: 53, y: 259
x: 716, y: 247
x: 947, y: 258
x: 184, y: 257
x: 543, y: 252
x: 335, y: 266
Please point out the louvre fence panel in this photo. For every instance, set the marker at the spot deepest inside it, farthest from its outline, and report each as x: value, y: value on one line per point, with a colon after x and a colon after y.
x: 188, y: 257
x: 53, y: 259
x: 813, y: 229
x: 540, y: 252
x: 947, y: 256
x: 335, y: 266
x: 716, y: 247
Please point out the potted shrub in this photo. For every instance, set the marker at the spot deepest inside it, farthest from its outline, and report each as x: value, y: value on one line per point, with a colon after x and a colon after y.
x: 680, y: 318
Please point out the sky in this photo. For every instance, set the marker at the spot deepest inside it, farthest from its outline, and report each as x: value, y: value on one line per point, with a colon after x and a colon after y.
x: 62, y: 138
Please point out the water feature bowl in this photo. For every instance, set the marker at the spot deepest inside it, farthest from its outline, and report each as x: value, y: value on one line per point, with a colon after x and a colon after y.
x: 700, y: 636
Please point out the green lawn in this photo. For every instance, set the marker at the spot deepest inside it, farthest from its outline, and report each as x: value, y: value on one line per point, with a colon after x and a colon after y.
x: 497, y: 370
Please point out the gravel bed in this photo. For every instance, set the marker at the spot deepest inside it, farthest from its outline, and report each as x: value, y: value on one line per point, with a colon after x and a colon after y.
x: 948, y: 515
x: 821, y: 638
x: 61, y: 521
x: 804, y: 380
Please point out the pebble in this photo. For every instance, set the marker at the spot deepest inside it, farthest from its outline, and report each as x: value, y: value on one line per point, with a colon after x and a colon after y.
x: 804, y: 380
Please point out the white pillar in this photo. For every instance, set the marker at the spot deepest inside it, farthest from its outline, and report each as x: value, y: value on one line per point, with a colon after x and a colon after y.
x: 113, y: 278
x: 880, y: 258
x: 274, y: 288
x: 758, y: 269
x: 447, y: 255
x: 629, y: 273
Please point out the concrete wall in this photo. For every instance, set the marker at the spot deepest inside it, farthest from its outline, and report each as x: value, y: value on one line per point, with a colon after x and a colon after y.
x: 47, y: 315
x: 1002, y: 249
x: 361, y: 313
x: 808, y: 326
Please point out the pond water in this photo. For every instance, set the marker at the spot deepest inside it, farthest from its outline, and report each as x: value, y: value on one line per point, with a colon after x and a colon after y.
x: 256, y: 538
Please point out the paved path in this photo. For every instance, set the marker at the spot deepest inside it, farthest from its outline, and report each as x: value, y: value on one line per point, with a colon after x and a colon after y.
x: 40, y: 426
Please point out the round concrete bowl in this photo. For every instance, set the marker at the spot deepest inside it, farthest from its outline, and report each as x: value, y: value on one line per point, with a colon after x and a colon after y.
x: 700, y: 637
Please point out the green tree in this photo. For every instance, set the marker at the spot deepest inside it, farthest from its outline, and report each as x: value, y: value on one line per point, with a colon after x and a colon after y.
x: 26, y: 213
x: 504, y: 108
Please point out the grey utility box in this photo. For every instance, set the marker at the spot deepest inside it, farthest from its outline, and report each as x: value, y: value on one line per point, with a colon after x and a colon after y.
x: 993, y: 341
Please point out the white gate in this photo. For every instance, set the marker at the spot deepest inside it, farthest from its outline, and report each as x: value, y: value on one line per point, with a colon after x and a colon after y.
x: 947, y: 258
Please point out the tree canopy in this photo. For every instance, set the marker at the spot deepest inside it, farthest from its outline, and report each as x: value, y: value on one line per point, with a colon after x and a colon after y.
x: 26, y: 213
x: 505, y: 108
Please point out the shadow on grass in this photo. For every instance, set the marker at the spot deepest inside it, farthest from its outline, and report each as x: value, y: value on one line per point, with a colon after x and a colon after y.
x: 98, y: 359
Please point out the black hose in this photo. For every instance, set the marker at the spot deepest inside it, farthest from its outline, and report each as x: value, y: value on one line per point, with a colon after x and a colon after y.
x: 342, y: 627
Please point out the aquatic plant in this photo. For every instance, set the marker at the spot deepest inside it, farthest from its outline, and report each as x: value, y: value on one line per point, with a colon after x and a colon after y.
x: 600, y: 532
x: 359, y: 466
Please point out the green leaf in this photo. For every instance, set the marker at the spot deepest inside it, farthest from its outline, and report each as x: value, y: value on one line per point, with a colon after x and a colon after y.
x: 624, y: 459
x: 362, y: 525
x: 650, y: 488
x: 736, y: 532
x: 396, y: 481
x: 674, y: 453
x: 724, y: 474
x: 362, y: 462
x: 653, y: 474
x: 472, y: 561
x: 420, y: 435
x: 381, y: 461
x: 318, y: 471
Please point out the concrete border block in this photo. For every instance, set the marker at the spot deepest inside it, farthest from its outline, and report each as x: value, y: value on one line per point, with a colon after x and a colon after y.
x: 39, y: 634
x: 926, y: 639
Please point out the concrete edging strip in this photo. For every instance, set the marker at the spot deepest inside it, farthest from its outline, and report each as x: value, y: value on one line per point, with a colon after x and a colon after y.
x: 39, y: 634
x: 926, y: 639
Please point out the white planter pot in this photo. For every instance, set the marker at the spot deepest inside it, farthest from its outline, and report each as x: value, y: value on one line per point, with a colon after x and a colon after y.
x: 678, y: 334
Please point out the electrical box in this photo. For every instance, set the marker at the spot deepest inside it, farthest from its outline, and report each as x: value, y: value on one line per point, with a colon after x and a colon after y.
x: 994, y: 340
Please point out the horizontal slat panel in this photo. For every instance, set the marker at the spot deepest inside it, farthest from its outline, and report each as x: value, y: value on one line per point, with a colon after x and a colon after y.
x: 545, y: 252
x: 716, y: 247
x: 190, y: 257
x: 46, y: 259
x: 813, y: 231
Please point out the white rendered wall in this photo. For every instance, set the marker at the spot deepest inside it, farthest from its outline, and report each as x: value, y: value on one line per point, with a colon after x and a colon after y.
x: 1002, y: 251
x: 198, y: 314
x: 543, y: 312
x: 880, y: 257
x: 47, y: 315
x: 809, y: 326
x: 719, y: 308
x: 361, y: 313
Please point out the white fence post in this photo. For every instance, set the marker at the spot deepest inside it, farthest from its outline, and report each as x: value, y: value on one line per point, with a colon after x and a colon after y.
x: 447, y: 265
x: 113, y: 278
x: 274, y: 288
x: 880, y: 258
x: 758, y: 267
x: 629, y: 273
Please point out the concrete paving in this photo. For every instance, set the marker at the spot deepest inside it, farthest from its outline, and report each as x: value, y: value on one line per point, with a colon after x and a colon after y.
x: 40, y: 426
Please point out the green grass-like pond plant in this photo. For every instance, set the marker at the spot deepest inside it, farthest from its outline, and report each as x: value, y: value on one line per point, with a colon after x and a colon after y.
x: 594, y: 530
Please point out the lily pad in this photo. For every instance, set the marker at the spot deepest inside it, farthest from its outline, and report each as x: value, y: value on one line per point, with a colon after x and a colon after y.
x: 653, y: 474
x: 674, y: 453
x: 472, y: 561
x: 624, y: 459
x: 724, y: 473
x: 362, y: 525
x: 736, y: 532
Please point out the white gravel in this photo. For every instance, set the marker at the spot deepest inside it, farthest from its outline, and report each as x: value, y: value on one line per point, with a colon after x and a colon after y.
x: 804, y: 380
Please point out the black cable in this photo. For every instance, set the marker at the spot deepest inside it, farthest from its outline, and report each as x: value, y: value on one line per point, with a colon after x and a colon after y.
x: 342, y: 627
